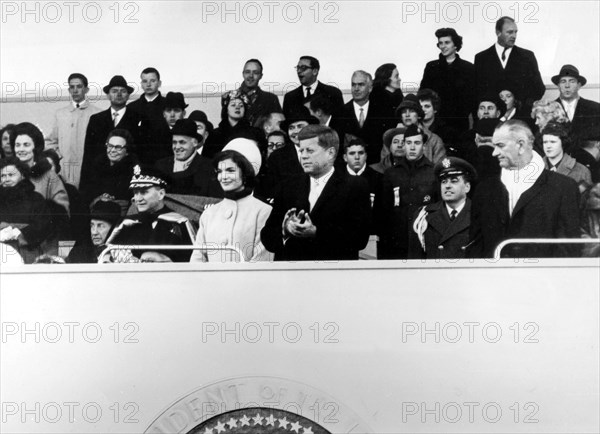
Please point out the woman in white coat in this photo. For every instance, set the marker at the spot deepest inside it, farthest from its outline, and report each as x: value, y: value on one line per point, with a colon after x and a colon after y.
x: 239, y: 218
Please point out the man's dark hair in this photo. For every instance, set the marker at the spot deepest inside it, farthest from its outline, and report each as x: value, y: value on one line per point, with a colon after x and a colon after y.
x: 277, y: 133
x: 314, y: 62
x: 255, y: 61
x: 80, y: 76
x: 501, y: 21
x: 151, y: 70
x: 449, y: 31
x: 430, y: 95
x: 321, y: 102
x: 125, y: 134
x: 328, y: 138
x: 354, y: 141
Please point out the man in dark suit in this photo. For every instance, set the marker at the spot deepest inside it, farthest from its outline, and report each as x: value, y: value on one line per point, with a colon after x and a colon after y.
x: 583, y: 113
x: 363, y: 118
x: 260, y: 103
x: 116, y: 116
x: 284, y: 163
x: 505, y: 61
x: 525, y: 201
x: 189, y: 172
x: 442, y: 228
x: 321, y: 215
x: 151, y: 104
x: 308, y: 70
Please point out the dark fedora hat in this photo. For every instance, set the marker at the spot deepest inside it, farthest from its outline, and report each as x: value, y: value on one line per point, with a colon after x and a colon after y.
x: 200, y: 116
x: 186, y: 127
x: 107, y: 211
x: 175, y: 100
x: 411, y: 102
x: 569, y: 71
x: 298, y: 116
x: 117, y: 81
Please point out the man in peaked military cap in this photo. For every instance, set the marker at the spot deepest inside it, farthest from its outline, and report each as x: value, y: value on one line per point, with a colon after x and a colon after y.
x: 443, y: 227
x: 154, y: 224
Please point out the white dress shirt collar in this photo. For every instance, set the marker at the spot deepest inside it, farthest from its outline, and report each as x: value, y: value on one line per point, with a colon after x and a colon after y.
x: 500, y: 50
x: 316, y: 187
x: 458, y: 209
x: 357, y: 108
x: 353, y: 173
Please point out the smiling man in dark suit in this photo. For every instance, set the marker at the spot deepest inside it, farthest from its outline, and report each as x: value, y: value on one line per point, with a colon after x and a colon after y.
x: 524, y: 201
x: 322, y: 214
x: 308, y: 70
x: 505, y: 61
x: 116, y: 116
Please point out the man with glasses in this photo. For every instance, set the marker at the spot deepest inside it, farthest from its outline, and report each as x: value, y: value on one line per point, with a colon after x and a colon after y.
x: 308, y: 70
x: 70, y: 125
x: 116, y: 116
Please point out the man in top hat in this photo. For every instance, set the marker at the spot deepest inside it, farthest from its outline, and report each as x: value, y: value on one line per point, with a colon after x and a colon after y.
x: 154, y: 224
x: 285, y: 162
x: 190, y: 173
x: 70, y: 125
x: 116, y: 116
x: 524, y: 201
x: 583, y: 113
x: 321, y: 214
x: 203, y: 127
x: 308, y: 71
x: 442, y: 228
x: 407, y: 186
x: 504, y: 60
x: 260, y: 103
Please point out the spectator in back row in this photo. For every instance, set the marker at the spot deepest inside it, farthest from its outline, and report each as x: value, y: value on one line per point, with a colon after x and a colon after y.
x: 204, y: 127
x: 151, y: 104
x: 6, y: 151
x: 259, y: 102
x: 393, y: 143
x: 387, y: 91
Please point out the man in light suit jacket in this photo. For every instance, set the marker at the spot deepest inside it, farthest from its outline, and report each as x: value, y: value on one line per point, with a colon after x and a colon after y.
x: 308, y: 70
x: 583, y: 113
x: 363, y: 118
x: 525, y: 201
x: 321, y: 215
x: 505, y: 61
x: 116, y: 116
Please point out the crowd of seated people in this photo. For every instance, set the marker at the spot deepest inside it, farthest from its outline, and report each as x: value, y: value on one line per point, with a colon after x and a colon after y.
x: 475, y: 157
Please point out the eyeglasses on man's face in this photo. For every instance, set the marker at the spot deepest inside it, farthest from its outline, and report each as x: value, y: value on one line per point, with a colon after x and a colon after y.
x: 302, y: 68
x: 117, y: 148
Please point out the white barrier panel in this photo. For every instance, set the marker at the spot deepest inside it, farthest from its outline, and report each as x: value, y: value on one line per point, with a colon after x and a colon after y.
x: 379, y: 347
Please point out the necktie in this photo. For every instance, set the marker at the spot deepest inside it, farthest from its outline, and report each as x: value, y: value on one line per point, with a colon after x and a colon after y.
x: 77, y: 105
x: 553, y: 169
x: 308, y: 93
x: 453, y: 215
x: 504, y: 54
x: 115, y: 118
x: 361, y: 117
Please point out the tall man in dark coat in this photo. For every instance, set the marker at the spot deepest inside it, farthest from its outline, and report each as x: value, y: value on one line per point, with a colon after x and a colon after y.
x: 116, y: 116
x: 442, y: 228
x: 365, y: 119
x: 321, y: 215
x: 583, y: 113
x: 308, y: 70
x: 505, y: 61
x: 189, y: 172
x: 525, y: 201
x: 260, y: 103
x: 151, y: 103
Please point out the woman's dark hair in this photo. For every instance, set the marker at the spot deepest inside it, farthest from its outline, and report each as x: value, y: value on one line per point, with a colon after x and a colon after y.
x: 51, y: 153
x: 14, y: 161
x: 248, y: 176
x: 124, y: 134
x: 449, y: 31
x: 28, y: 129
x: 430, y: 95
x: 560, y: 130
x: 226, y: 99
x: 7, y: 128
x: 383, y: 75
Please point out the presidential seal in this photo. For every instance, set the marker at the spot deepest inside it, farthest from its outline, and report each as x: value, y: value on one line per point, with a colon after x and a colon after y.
x: 245, y: 405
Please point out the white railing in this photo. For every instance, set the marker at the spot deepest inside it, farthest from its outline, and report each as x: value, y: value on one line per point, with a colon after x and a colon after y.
x: 203, y: 247
x: 505, y: 243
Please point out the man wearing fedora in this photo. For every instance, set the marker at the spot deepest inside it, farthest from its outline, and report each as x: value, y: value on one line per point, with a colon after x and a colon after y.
x: 190, y: 173
x: 204, y: 127
x: 583, y: 113
x: 260, y: 103
x: 504, y: 60
x: 116, y: 116
x: 442, y: 228
x: 154, y: 224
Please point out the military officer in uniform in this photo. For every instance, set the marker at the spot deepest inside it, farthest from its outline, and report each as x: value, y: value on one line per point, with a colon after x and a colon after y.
x: 154, y: 224
x: 442, y: 228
